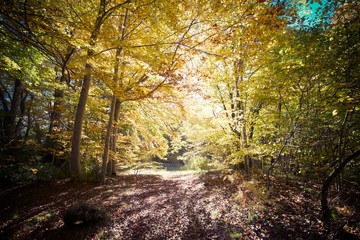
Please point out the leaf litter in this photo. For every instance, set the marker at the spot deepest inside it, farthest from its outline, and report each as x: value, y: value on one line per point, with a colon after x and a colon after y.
x: 172, y: 206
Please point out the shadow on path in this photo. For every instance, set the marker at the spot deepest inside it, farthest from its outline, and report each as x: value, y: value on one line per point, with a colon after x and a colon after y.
x: 141, y: 207
x: 170, y: 205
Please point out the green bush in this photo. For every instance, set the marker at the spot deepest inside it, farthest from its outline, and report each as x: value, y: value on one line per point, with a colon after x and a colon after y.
x: 30, y: 172
x: 15, y: 173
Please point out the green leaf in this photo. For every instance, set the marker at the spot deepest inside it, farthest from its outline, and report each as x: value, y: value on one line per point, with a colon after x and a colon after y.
x: 9, y: 64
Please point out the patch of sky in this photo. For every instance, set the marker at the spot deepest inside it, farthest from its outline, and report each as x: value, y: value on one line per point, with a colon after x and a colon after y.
x: 312, y: 13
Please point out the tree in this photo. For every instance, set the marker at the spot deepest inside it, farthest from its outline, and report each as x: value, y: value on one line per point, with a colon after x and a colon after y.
x: 241, y: 43
x: 107, y: 167
x: 21, y: 73
x: 326, y: 212
x: 102, y: 15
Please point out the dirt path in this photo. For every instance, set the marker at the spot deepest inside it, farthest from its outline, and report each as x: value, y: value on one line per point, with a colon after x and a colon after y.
x: 164, y: 205
x: 177, y: 206
x: 168, y: 205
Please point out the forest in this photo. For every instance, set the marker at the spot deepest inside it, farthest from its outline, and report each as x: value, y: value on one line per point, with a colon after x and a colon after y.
x: 191, y: 119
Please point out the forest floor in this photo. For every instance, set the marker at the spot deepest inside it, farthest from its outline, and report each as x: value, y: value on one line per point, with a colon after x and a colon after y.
x: 175, y: 205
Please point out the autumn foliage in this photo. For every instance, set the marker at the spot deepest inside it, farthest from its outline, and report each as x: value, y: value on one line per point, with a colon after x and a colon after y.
x: 265, y: 90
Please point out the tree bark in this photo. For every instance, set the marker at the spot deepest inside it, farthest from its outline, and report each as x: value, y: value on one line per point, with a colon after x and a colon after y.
x: 326, y: 213
x: 29, y: 117
x: 112, y: 167
x: 105, y: 156
x: 55, y: 119
x: 109, y: 129
x: 75, y: 165
x: 15, y: 104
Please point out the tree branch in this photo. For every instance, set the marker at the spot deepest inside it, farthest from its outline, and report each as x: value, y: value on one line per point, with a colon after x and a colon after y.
x: 326, y: 185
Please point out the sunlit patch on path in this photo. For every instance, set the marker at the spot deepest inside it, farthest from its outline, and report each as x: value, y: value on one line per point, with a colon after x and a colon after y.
x: 171, y: 207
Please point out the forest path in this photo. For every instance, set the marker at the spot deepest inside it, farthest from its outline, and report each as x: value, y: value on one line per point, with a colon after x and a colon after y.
x: 175, y: 205
x: 146, y: 205
x: 162, y: 205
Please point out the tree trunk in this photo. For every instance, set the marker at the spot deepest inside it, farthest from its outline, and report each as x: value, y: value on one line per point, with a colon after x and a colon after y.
x: 105, y: 156
x: 326, y: 213
x: 106, y: 164
x: 54, y: 126
x: 109, y: 167
x: 29, y: 117
x: 75, y: 165
x: 10, y: 119
x: 274, y: 161
x: 55, y: 116
x: 114, y: 136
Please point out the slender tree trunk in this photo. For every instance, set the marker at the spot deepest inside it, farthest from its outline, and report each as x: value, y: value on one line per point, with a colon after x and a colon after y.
x: 55, y: 120
x: 29, y: 118
x: 274, y: 161
x: 105, y: 156
x: 112, y: 169
x: 22, y: 112
x: 10, y: 119
x: 109, y: 167
x: 247, y: 157
x: 55, y: 117
x: 109, y: 129
x: 75, y: 165
x: 326, y: 213
x: 341, y: 147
